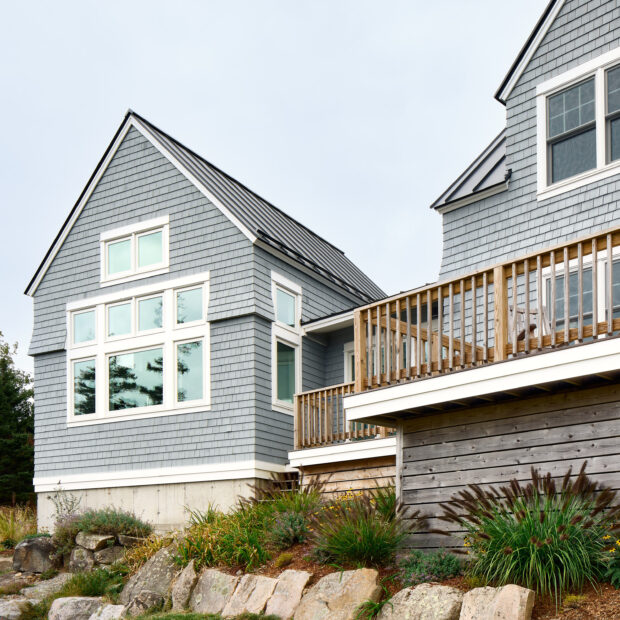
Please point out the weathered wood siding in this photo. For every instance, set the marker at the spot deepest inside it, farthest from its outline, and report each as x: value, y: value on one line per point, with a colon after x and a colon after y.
x: 360, y: 475
x: 441, y: 454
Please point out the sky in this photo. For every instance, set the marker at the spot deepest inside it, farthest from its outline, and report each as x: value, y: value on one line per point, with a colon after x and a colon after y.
x: 350, y: 115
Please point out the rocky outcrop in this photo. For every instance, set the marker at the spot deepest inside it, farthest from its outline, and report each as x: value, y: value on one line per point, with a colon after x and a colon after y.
x: 212, y: 592
x: 250, y: 596
x: 81, y: 560
x: 128, y: 541
x: 287, y: 594
x: 143, y: 602
x: 93, y: 542
x: 74, y: 608
x: 509, y: 602
x: 34, y: 555
x: 338, y: 595
x: 46, y: 588
x: 182, y: 587
x: 108, y: 612
x: 424, y: 602
x: 109, y: 555
x: 11, y: 609
x: 155, y: 576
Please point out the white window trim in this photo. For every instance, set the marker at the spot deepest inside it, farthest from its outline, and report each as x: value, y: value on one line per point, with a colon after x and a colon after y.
x: 349, y: 348
x: 593, y: 68
x: 166, y: 338
x: 132, y: 232
x: 288, y: 335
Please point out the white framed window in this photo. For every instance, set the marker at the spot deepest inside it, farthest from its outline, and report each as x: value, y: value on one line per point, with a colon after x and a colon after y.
x: 83, y: 327
x: 142, y: 360
x: 349, y: 362
x: 578, y: 126
x: 286, y: 342
x: 135, y: 251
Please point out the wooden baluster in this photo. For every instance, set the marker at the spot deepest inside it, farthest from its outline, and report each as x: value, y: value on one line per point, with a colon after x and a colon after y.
x: 341, y: 417
x: 408, y: 347
x: 319, y: 416
x: 526, y: 271
x: 418, y: 310
x: 359, y: 350
x: 485, y: 318
x: 609, y: 291
x: 551, y: 304
x: 515, y: 295
x: 397, y: 348
x: 429, y: 331
x: 451, y: 328
x: 296, y: 427
x: 440, y: 328
x: 566, y: 299
x: 462, y: 345
x: 500, y: 313
x: 474, y: 327
x: 594, y: 288
x: 579, y: 292
x: 369, y: 356
x: 378, y: 347
x: 388, y: 341
x: 539, y: 293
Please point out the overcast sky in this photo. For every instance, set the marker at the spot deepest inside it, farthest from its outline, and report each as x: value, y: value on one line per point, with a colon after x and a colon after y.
x: 350, y: 115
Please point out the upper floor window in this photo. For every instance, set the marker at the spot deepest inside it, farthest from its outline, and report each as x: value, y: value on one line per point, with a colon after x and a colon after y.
x: 578, y: 115
x: 134, y: 251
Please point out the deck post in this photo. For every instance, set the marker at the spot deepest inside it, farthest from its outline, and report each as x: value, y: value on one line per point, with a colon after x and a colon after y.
x: 297, y: 421
x: 360, y: 350
x: 500, y: 313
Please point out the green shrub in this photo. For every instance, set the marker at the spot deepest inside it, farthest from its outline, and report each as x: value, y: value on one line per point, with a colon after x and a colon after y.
x: 65, y: 532
x: 544, y: 538
x: 284, y: 559
x: 419, y: 567
x: 99, y: 582
x: 353, y: 531
x: 288, y: 529
x: 612, y: 571
x: 50, y: 573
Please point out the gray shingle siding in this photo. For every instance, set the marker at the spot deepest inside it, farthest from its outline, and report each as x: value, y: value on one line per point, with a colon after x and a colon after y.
x: 514, y: 222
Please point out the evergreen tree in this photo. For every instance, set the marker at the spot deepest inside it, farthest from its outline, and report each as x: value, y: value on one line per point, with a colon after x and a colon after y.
x: 16, y: 429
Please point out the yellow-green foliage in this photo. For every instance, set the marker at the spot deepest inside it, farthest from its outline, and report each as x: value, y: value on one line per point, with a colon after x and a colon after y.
x: 16, y: 523
x: 284, y: 559
x: 572, y: 601
x: 137, y: 556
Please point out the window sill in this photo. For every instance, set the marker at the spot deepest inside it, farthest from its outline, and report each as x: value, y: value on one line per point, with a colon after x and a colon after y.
x: 567, y: 185
x: 120, y: 417
x: 283, y: 408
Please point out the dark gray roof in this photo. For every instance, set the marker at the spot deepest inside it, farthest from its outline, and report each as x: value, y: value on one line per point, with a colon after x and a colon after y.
x: 271, y: 225
x: 488, y: 170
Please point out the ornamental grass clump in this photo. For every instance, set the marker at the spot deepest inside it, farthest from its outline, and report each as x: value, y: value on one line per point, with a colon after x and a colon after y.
x: 539, y: 536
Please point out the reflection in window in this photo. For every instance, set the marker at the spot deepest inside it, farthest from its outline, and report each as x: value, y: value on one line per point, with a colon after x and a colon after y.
x: 150, y: 313
x: 189, y: 371
x: 84, y: 387
x: 119, y: 256
x: 136, y: 379
x: 573, y: 299
x: 150, y: 251
x: 119, y: 319
x: 285, y: 307
x: 285, y: 372
x: 189, y: 306
x: 84, y: 327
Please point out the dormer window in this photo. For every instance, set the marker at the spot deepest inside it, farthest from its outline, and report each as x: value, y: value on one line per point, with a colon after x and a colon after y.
x: 134, y: 251
x: 578, y: 115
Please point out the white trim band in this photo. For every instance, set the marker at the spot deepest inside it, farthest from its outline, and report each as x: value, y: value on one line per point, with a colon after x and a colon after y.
x: 351, y: 451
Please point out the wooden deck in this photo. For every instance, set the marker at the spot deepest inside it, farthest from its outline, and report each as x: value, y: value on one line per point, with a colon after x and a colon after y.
x: 506, y: 311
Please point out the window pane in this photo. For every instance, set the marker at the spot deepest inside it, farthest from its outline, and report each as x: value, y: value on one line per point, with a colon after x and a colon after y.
x: 573, y: 155
x: 285, y: 311
x: 84, y: 326
x: 84, y: 387
x: 613, y: 90
x: 189, y: 371
x: 150, y: 249
x: 136, y: 379
x: 571, y: 108
x: 573, y: 299
x: 615, y: 287
x: 614, y: 138
x: 286, y: 372
x: 189, y: 306
x: 119, y: 256
x: 149, y: 313
x: 119, y: 319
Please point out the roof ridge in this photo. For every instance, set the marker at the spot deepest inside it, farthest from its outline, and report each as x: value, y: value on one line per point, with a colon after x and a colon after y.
x: 231, y: 178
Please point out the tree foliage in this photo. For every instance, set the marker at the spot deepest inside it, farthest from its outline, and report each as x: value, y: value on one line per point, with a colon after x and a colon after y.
x: 16, y: 428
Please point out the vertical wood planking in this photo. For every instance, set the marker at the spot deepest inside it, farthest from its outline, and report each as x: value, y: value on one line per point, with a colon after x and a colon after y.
x: 609, y: 288
x: 429, y: 332
x: 566, y: 300
x: 418, y: 349
x: 398, y: 354
x: 553, y: 298
x: 474, y: 327
x: 408, y: 348
x: 359, y: 350
x: 388, y: 342
x: 462, y: 329
x: 527, y: 322
x: 369, y: 356
x: 539, y: 294
x: 500, y: 313
x: 378, y: 347
x: 515, y: 332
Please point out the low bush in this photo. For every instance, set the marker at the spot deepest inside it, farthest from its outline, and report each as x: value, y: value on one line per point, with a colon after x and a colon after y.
x: 15, y: 524
x: 541, y: 537
x: 288, y: 529
x: 284, y: 559
x: 419, y: 567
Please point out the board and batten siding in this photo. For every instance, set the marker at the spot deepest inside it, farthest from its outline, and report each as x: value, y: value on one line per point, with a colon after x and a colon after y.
x: 443, y: 453
x: 514, y: 222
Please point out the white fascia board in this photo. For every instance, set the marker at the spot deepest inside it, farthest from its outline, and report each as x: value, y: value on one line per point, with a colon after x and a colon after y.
x: 329, y: 324
x: 467, y: 200
x: 572, y: 362
x: 529, y: 54
x: 351, y: 451
x: 169, y: 475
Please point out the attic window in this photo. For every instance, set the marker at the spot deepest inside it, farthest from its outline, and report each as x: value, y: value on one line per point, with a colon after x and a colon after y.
x: 134, y: 251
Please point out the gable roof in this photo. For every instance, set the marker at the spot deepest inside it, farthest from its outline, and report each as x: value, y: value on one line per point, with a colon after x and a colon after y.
x: 259, y: 220
x: 485, y: 176
x: 528, y: 50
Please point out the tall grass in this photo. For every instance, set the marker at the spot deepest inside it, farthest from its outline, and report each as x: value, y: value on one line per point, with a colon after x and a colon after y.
x: 16, y: 523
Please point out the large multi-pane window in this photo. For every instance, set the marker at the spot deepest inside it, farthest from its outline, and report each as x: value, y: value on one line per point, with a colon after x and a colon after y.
x: 573, y: 299
x: 142, y: 354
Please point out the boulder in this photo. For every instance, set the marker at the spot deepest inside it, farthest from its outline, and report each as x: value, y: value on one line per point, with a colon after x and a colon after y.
x: 509, y: 602
x: 11, y: 609
x: 212, y: 592
x: 338, y: 595
x: 424, y: 602
x: 129, y: 541
x: 108, y: 612
x: 287, y: 595
x: 109, y: 555
x: 155, y: 576
x: 250, y: 596
x: 6, y: 564
x: 183, y: 586
x: 74, y: 608
x: 81, y: 560
x: 144, y: 602
x: 34, y: 555
x: 93, y: 542
x: 46, y: 588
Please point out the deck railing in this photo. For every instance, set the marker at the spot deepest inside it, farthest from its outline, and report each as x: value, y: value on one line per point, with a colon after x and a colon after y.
x: 320, y: 419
